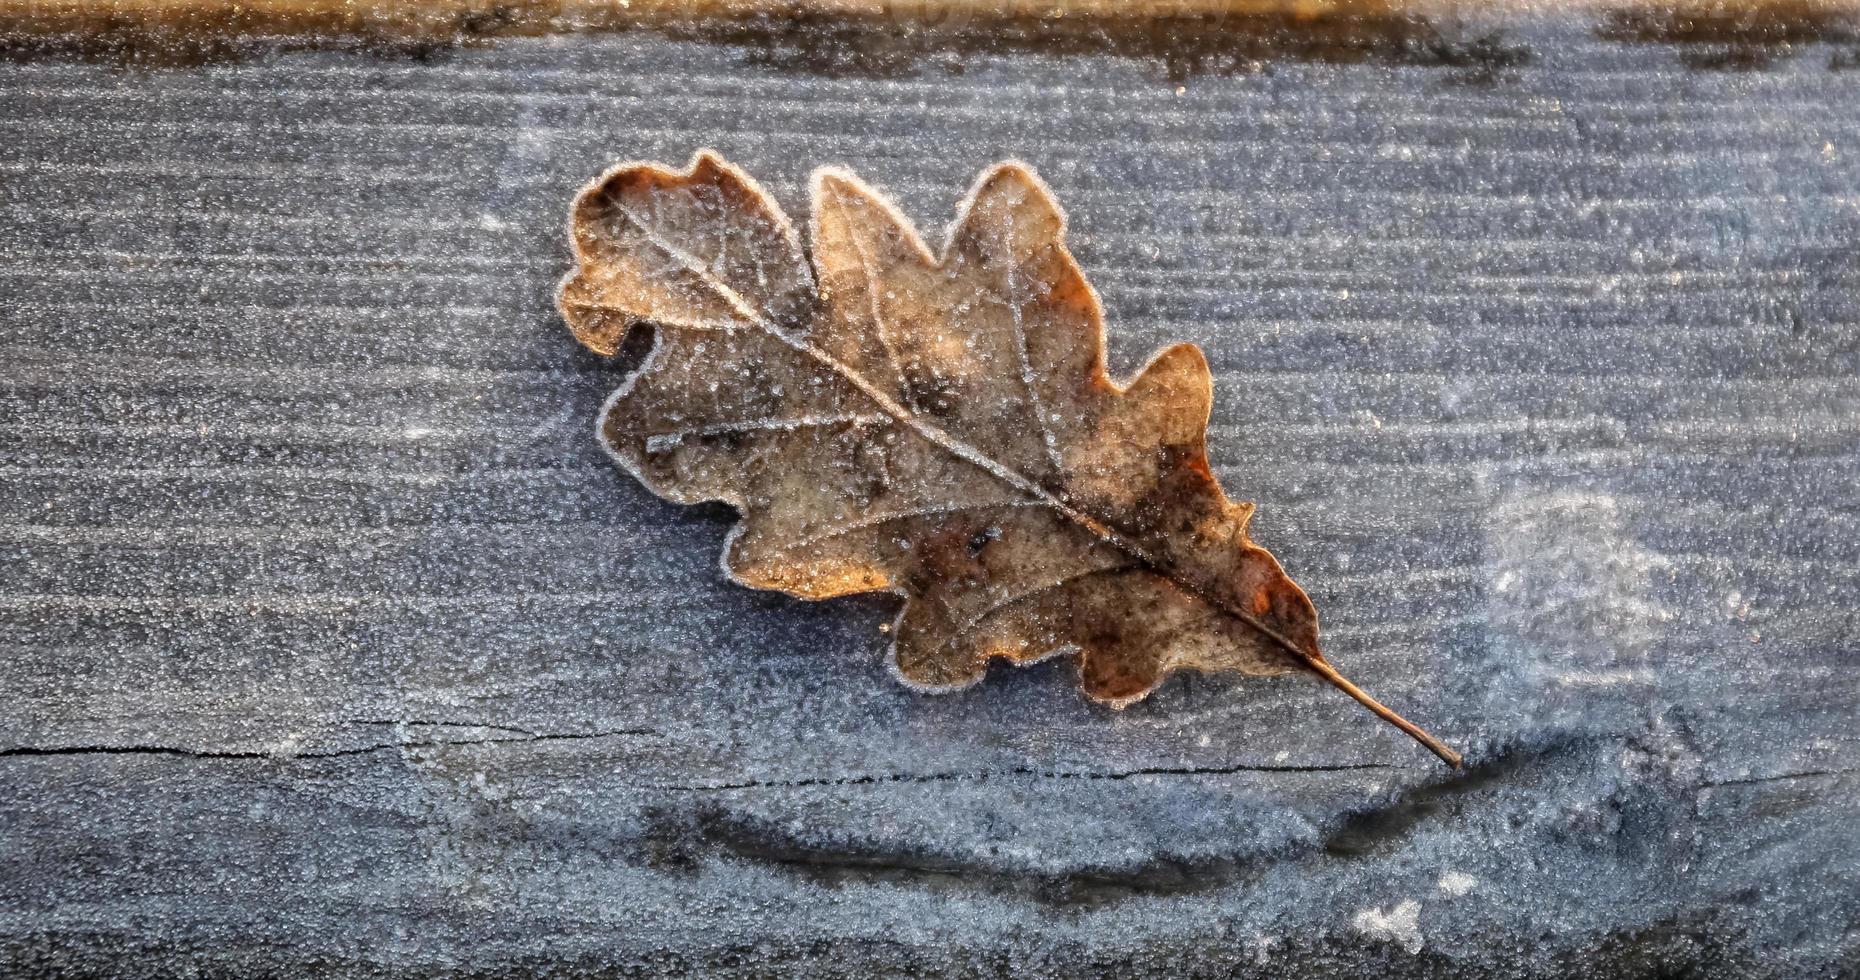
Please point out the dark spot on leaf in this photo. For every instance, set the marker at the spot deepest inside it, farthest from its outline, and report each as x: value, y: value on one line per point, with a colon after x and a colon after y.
x: 980, y: 539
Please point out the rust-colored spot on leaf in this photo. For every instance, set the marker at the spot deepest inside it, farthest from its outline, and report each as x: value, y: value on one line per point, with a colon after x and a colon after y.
x: 940, y: 425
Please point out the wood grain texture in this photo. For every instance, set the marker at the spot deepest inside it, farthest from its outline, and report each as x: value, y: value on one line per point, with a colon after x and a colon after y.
x: 333, y: 645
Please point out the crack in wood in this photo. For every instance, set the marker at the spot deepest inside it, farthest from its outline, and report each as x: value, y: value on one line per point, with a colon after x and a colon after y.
x: 976, y: 776
x: 34, y: 751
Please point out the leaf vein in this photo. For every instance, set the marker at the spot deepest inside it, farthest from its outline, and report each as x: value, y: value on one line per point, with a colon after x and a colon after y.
x: 658, y: 442
x: 962, y: 630
x: 901, y: 515
x: 871, y: 293
x: 1047, y: 438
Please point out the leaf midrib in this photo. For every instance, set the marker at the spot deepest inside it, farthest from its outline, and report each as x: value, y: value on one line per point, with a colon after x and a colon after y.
x: 949, y: 443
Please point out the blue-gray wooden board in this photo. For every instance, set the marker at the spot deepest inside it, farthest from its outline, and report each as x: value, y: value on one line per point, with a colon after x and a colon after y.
x: 331, y: 643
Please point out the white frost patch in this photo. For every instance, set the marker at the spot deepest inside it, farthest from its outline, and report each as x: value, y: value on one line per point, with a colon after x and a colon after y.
x: 1457, y: 883
x: 287, y: 747
x: 1602, y: 678
x: 1401, y: 924
x: 1573, y: 588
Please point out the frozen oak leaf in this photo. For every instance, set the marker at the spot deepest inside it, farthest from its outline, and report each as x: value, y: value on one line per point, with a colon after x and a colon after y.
x: 885, y: 418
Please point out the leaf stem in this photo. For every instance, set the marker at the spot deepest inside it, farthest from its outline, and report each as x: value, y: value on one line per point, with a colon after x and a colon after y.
x: 1382, y: 711
x: 1317, y: 663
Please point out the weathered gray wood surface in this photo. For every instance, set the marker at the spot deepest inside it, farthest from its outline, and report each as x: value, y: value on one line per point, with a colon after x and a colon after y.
x: 333, y: 645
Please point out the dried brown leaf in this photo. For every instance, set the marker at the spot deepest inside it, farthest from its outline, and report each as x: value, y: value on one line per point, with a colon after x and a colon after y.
x: 939, y: 426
